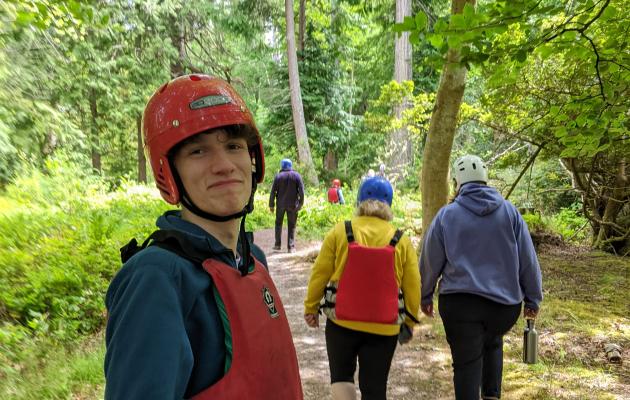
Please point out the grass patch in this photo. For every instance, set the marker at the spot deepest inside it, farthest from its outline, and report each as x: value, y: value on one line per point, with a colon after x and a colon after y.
x: 48, y: 370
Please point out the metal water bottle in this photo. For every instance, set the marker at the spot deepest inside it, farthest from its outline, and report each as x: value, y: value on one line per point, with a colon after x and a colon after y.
x: 530, y: 343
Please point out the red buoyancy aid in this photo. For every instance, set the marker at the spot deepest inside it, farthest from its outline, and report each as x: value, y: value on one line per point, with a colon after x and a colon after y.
x: 264, y: 364
x: 333, y: 195
x: 367, y: 289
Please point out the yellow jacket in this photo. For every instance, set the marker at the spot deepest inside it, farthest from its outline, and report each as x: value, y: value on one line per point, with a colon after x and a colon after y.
x: 329, y: 265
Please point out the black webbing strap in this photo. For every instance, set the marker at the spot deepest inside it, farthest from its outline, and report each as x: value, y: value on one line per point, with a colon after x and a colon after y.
x: 349, y: 233
x: 396, y: 238
x: 171, y: 240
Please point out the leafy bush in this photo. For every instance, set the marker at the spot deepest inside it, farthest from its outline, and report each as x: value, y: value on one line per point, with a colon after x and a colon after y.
x: 570, y: 223
x: 535, y: 222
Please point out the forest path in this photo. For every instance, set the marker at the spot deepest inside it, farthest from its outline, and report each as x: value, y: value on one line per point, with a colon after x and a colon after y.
x: 420, y: 369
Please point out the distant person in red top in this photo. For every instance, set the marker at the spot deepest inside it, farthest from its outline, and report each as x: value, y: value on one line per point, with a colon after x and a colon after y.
x: 287, y: 196
x: 335, y: 195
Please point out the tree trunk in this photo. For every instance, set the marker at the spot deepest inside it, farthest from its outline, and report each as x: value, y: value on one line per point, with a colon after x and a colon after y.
x: 304, y: 149
x: 330, y: 161
x: 142, y: 161
x: 302, y: 27
x: 614, y: 204
x: 442, y: 129
x: 400, y: 146
x: 95, y: 142
x: 178, y: 39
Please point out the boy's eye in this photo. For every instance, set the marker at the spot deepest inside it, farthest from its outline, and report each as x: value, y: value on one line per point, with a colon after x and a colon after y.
x: 235, y: 146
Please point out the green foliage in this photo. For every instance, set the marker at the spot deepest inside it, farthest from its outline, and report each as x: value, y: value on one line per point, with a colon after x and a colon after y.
x: 535, y: 222
x: 318, y: 216
x: 571, y: 224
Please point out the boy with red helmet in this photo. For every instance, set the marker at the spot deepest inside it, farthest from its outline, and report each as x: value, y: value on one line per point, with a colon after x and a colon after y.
x: 186, y: 311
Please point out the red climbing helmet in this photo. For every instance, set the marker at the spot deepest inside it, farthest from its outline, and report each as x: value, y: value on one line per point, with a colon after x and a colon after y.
x: 184, y: 107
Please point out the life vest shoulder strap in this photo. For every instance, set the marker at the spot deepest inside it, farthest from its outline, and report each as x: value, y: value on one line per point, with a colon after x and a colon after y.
x: 396, y: 238
x: 350, y: 234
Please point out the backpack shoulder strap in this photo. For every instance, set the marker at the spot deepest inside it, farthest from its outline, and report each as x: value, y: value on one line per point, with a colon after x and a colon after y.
x: 349, y: 233
x: 396, y: 238
x: 171, y: 240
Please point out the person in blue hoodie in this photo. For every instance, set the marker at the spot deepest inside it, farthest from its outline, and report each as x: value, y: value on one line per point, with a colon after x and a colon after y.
x: 194, y: 308
x: 480, y: 250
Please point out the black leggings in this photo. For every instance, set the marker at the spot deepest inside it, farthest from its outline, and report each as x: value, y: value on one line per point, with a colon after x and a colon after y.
x: 474, y: 329
x: 374, y: 352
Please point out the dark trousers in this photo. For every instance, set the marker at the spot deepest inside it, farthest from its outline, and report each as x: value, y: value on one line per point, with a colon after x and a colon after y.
x: 291, y: 222
x: 374, y: 353
x: 474, y: 329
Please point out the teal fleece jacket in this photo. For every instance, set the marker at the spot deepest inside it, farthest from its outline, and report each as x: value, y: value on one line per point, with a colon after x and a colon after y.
x: 164, y: 337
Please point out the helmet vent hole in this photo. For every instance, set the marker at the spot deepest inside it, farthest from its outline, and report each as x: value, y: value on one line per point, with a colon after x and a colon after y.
x: 474, y: 166
x: 195, y: 78
x: 163, y: 88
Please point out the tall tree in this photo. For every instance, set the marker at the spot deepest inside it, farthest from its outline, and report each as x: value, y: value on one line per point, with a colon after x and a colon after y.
x: 304, y: 149
x: 302, y: 26
x: 437, y: 149
x: 400, y: 153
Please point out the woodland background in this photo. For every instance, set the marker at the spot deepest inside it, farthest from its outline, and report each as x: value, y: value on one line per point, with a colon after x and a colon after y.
x: 540, y: 89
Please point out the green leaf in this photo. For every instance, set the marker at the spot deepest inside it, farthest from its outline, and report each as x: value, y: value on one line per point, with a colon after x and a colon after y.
x: 414, y: 38
x: 75, y: 9
x: 457, y: 21
x: 24, y: 18
x: 454, y: 41
x: 440, y: 26
x: 560, y: 132
x: 545, y: 51
x: 521, y: 55
x: 609, y: 13
x: 581, y: 120
x: 409, y: 23
x: 469, y: 12
x: 612, y: 68
x: 570, y: 35
x: 399, y: 28
x: 421, y: 21
x: 435, y: 39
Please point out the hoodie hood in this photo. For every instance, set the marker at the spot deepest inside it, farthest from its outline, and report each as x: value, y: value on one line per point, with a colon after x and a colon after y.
x: 479, y: 199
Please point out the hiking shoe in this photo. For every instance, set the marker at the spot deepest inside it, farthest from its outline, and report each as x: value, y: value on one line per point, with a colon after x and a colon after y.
x: 291, y: 250
x: 277, y: 248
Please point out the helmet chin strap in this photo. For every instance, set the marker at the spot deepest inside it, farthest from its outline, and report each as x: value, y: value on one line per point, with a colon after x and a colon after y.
x: 249, y: 207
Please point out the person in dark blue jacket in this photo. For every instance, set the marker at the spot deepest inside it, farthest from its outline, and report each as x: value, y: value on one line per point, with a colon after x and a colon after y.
x: 198, y: 302
x: 286, y: 197
x: 480, y: 250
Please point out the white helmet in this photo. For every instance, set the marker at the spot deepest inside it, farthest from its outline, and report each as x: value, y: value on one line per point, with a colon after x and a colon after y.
x: 470, y: 168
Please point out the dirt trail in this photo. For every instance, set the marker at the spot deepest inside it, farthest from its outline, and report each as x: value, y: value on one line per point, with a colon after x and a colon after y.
x: 420, y: 370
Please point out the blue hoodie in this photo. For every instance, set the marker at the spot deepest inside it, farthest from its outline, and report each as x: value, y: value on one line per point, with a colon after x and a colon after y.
x: 165, y: 337
x: 480, y: 244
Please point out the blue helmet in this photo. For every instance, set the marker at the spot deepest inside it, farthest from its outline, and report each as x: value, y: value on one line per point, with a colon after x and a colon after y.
x: 376, y: 188
x: 286, y: 164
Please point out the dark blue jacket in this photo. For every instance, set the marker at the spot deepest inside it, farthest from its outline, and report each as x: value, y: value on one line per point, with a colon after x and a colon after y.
x: 480, y: 244
x: 287, y: 191
x: 165, y: 337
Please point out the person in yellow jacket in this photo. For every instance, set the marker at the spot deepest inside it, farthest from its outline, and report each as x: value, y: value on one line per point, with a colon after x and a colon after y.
x: 369, y: 271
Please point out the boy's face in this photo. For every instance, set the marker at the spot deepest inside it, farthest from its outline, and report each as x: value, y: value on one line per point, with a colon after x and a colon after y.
x: 216, y: 171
